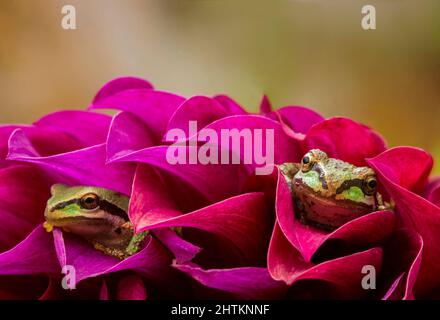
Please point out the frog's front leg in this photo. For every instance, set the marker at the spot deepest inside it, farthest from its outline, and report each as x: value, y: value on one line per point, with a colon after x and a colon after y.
x: 120, y: 254
x: 383, y: 205
x: 288, y: 170
x: 135, y: 243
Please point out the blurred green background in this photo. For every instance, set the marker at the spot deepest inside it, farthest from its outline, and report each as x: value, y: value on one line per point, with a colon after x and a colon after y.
x: 311, y: 53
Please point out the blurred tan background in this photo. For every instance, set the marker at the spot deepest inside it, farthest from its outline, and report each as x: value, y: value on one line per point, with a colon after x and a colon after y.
x: 311, y: 53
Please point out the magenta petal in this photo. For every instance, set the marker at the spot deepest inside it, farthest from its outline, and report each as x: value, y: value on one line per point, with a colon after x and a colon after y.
x: 432, y: 191
x: 416, y: 212
x: 87, y: 127
x: 299, y: 119
x: 215, y: 182
x: 285, y: 263
x: 403, y: 268
x: 244, y: 283
x: 121, y: 84
x: 33, y: 255
x: 284, y: 149
x: 24, y: 191
x: 153, y: 107
x: 265, y: 105
x: 242, y: 219
x: 182, y: 250
x: 408, y: 167
x: 42, y: 139
x: 84, y: 167
x: 150, y: 196
x: 230, y: 105
x: 131, y: 288
x: 345, y: 139
x: 201, y: 109
x: 151, y: 261
x: 127, y: 134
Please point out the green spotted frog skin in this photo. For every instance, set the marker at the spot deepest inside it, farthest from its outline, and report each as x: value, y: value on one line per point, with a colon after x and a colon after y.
x: 329, y: 192
x: 96, y: 214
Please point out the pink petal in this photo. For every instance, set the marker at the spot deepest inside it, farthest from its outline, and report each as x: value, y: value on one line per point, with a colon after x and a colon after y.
x: 201, y: 109
x: 299, y: 119
x: 230, y: 105
x: 182, y: 250
x: 408, y: 167
x: 284, y: 149
x: 24, y: 191
x: 416, y: 212
x: 42, y: 139
x: 127, y: 134
x: 151, y: 262
x: 153, y: 107
x: 243, y: 283
x: 119, y: 85
x: 242, y: 219
x: 34, y: 255
x: 150, y: 196
x: 131, y: 287
x: 344, y: 273
x: 214, y: 181
x: 89, y: 128
x: 84, y: 167
x: 265, y: 105
x: 344, y: 139
x: 432, y: 191
x: 402, y: 258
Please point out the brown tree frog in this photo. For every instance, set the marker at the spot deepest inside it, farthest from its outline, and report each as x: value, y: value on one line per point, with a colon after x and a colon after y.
x: 329, y: 192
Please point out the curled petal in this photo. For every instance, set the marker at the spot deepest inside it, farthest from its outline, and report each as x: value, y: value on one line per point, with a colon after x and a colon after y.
x: 402, y: 268
x: 119, y: 85
x: 344, y: 139
x: 82, y: 167
x: 127, y: 134
x: 230, y: 105
x: 282, y: 148
x: 182, y: 250
x: 214, y: 181
x: 89, y: 128
x: 432, y: 191
x: 131, y: 287
x: 415, y: 212
x: 201, y: 109
x: 299, y: 119
x: 345, y: 274
x: 408, y: 167
x: 34, y: 255
x: 24, y: 191
x: 265, y: 105
x: 242, y: 219
x: 242, y: 283
x: 153, y: 107
x: 151, y: 262
x: 42, y: 139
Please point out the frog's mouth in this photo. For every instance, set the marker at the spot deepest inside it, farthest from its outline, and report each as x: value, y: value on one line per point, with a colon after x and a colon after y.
x: 61, y: 222
x: 324, y: 212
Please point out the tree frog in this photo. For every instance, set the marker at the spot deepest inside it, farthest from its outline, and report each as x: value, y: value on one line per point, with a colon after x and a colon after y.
x: 329, y: 192
x: 96, y: 214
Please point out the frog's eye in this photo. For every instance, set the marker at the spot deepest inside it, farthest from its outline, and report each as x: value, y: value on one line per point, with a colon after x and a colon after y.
x: 89, y: 201
x: 307, y: 162
x: 370, y: 185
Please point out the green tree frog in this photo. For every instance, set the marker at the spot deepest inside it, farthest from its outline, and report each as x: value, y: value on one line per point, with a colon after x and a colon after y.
x: 96, y: 214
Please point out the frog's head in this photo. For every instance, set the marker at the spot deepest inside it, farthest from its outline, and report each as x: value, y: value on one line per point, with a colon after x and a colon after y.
x: 330, y: 191
x: 85, y: 210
